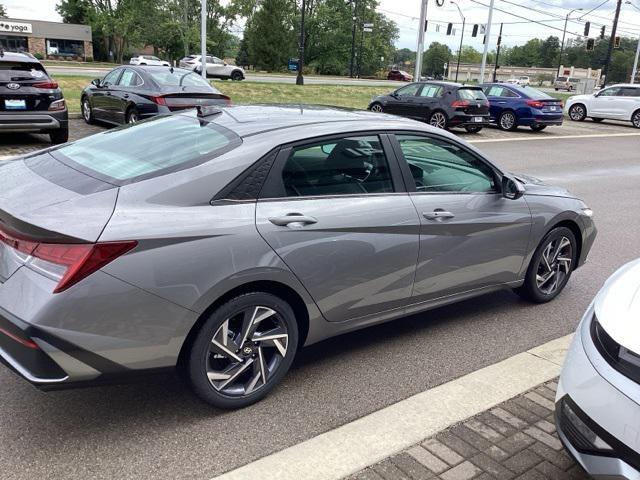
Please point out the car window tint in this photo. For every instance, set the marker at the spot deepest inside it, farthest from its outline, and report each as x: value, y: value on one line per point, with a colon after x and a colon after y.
x: 536, y: 94
x: 127, y: 78
x: 431, y: 91
x: 471, y: 94
x: 171, y: 143
x: 350, y: 166
x: 111, y: 77
x: 178, y: 78
x: 509, y: 93
x: 610, y: 92
x: 561, y: 79
x: 409, y: 91
x: 494, y: 91
x: 439, y: 166
x: 631, y: 92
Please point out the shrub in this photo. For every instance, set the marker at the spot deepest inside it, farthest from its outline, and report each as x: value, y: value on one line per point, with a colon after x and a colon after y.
x: 39, y: 56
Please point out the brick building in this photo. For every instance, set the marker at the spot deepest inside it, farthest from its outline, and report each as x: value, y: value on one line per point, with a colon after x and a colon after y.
x: 50, y: 40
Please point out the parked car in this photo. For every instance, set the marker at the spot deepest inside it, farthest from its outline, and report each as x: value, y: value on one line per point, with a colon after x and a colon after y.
x: 148, y: 60
x: 30, y: 100
x: 598, y: 398
x: 524, y: 80
x: 221, y: 244
x: 515, y: 105
x: 129, y: 94
x: 216, y: 67
x: 399, y: 75
x: 441, y: 104
x: 566, y: 83
x: 617, y: 102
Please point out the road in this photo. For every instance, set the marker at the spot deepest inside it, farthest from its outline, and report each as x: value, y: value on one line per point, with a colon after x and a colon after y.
x: 158, y: 430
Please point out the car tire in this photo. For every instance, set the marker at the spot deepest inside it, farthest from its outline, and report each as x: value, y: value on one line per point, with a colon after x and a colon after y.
x: 262, y: 363
x: 376, y: 107
x: 143, y: 64
x: 59, y: 136
x: 537, y: 128
x: 556, y: 89
x: 578, y: 112
x: 635, y: 119
x: 507, y: 121
x: 540, y: 284
x: 439, y: 119
x: 131, y: 116
x: 87, y: 111
x: 237, y: 76
x: 473, y: 128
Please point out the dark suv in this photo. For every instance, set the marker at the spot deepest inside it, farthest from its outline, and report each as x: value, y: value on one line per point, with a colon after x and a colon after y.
x: 441, y: 104
x: 30, y: 101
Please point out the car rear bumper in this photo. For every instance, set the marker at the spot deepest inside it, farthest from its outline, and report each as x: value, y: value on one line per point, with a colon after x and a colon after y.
x: 463, y: 120
x: 33, y: 121
x: 602, y: 403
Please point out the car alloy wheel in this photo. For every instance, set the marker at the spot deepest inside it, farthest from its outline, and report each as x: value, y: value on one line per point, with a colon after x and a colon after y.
x: 635, y: 119
x: 86, y: 110
x: 554, y: 265
x: 507, y: 121
x: 132, y: 117
x: 577, y: 113
x: 438, y: 120
x: 376, y: 107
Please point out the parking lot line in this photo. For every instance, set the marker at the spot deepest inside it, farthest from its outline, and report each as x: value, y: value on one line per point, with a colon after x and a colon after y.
x: 556, y: 137
x: 363, y: 442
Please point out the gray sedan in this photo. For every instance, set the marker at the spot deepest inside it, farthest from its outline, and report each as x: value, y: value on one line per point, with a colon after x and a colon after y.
x: 230, y: 238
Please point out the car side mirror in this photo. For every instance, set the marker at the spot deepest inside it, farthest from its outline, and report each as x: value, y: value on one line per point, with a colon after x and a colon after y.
x: 512, y: 189
x: 96, y: 82
x: 394, y: 94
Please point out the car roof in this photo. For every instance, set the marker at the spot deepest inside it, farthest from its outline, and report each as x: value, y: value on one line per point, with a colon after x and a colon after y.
x: 18, y: 57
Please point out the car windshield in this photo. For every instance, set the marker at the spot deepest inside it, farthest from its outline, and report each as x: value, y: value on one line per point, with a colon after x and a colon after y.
x: 471, y: 94
x: 151, y: 148
x: 179, y: 78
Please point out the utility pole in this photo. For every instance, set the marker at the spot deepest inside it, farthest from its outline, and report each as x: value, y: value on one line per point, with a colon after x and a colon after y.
x: 461, y: 38
x: 605, y: 71
x: 422, y: 27
x: 362, y: 26
x: 185, y: 26
x: 203, y: 38
x: 353, y: 36
x: 486, y: 42
x: 635, y: 63
x: 495, y: 67
x: 300, y: 78
x: 564, y: 34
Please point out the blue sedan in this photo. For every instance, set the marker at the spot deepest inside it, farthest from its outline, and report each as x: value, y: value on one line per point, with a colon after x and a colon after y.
x: 515, y: 105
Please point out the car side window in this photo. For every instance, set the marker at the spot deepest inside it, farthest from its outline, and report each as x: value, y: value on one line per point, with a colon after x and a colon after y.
x: 111, y: 78
x: 409, y: 91
x: 610, y: 92
x: 348, y: 166
x: 494, y: 91
x: 509, y: 93
x: 631, y: 92
x: 127, y: 79
x: 441, y: 167
x: 431, y: 91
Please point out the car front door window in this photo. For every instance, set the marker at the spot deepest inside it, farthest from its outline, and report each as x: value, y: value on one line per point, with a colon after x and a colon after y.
x: 408, y: 91
x: 111, y: 78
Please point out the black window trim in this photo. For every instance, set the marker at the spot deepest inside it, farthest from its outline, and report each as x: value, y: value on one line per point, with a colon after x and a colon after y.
x: 406, y: 172
x: 272, y: 191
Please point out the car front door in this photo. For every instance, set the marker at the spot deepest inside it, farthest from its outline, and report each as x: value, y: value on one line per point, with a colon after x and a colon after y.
x: 215, y: 67
x: 123, y: 94
x: 101, y: 100
x: 336, y: 213
x: 403, y: 100
x: 604, y: 103
x: 497, y: 100
x: 471, y: 237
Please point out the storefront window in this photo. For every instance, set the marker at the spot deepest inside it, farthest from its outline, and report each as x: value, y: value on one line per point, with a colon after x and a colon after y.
x: 65, y: 48
x: 13, y: 44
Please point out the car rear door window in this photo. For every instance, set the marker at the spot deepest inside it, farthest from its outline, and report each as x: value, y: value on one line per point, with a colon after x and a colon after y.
x: 129, y: 79
x: 631, y: 92
x: 439, y: 166
x: 347, y: 166
x: 431, y: 91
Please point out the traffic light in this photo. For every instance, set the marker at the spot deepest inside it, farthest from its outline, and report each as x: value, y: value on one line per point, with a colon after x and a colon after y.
x: 449, y: 28
x: 616, y: 42
x: 602, y: 32
x: 474, y: 33
x: 587, y: 26
x: 590, y: 44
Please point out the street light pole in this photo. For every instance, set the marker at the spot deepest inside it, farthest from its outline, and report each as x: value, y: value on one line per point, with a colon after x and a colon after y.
x: 353, y: 36
x: 564, y: 33
x: 614, y: 29
x: 300, y: 78
x: 461, y: 37
x: 634, y: 71
x: 203, y: 39
x: 486, y: 42
x: 420, y: 48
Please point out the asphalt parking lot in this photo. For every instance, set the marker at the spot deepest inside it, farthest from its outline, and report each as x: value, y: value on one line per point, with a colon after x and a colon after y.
x: 157, y: 429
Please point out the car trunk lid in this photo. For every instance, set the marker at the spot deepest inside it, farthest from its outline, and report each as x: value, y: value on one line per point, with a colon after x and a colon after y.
x: 471, y: 101
x: 178, y: 99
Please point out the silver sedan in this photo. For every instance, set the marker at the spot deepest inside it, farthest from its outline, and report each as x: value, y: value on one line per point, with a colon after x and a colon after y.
x: 220, y: 242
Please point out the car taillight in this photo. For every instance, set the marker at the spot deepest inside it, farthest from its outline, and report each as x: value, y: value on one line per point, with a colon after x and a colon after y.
x: 48, y: 85
x: 57, y: 105
x: 65, y: 263
x: 535, y: 103
x: 460, y: 103
x: 159, y: 100
x: 227, y: 100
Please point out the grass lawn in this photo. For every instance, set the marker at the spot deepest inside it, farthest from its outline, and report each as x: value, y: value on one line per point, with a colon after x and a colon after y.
x: 353, y: 96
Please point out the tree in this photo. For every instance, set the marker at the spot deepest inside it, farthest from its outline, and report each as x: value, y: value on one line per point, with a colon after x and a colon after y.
x: 470, y: 55
x: 242, y: 58
x: 549, y: 52
x: 434, y: 59
x: 3, y: 11
x: 270, y: 35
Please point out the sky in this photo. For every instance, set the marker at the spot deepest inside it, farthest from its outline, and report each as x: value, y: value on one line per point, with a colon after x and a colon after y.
x: 405, y: 13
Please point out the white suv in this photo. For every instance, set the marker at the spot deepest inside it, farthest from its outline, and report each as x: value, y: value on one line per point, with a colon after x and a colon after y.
x: 148, y: 60
x: 216, y: 67
x: 617, y: 102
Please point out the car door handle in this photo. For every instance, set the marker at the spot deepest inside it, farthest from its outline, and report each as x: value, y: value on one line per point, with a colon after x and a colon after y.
x: 291, y: 219
x: 438, y: 214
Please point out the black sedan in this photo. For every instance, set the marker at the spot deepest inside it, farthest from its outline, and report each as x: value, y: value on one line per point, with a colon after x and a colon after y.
x: 132, y: 93
x: 441, y: 104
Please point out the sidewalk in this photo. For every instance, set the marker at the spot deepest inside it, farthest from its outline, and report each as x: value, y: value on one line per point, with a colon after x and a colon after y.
x: 514, y: 440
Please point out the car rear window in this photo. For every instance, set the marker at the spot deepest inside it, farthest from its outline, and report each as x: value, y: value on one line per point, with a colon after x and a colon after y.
x: 21, y: 71
x: 561, y: 79
x: 471, y: 94
x: 178, y: 78
x: 536, y: 94
x: 151, y: 148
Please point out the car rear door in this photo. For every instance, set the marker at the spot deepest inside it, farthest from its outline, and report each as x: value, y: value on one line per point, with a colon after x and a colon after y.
x: 471, y: 237
x: 428, y: 99
x: 629, y: 101
x: 336, y: 213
